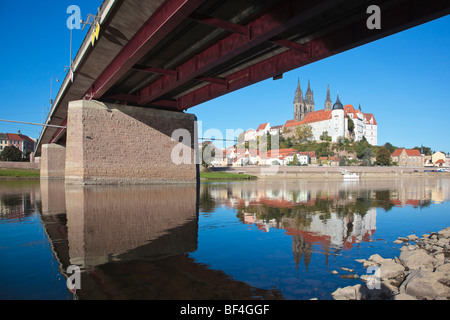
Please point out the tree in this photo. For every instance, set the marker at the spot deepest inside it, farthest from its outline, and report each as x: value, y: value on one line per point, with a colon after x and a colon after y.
x: 426, y: 150
x: 343, y: 161
x: 304, y: 133
x: 11, y: 153
x: 367, y: 155
x: 389, y: 147
x: 325, y: 137
x: 351, y: 124
x: 383, y: 157
x: 295, y: 161
x: 208, y: 153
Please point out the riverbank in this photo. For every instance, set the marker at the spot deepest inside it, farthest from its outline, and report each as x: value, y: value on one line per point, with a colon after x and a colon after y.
x: 225, y: 176
x: 421, y: 272
x: 324, y: 173
x: 17, y: 174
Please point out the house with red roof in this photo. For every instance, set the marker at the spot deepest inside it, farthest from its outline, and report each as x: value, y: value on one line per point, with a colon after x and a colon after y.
x: 263, y: 129
x: 407, y: 158
x: 22, y: 142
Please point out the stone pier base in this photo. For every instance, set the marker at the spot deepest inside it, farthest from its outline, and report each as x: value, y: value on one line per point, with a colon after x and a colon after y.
x: 53, y: 159
x: 117, y: 144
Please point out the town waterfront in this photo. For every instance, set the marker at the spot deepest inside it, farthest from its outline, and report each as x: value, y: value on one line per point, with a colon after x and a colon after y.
x: 269, y: 238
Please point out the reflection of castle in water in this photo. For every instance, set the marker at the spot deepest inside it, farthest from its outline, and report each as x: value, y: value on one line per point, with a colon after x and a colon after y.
x: 331, y: 216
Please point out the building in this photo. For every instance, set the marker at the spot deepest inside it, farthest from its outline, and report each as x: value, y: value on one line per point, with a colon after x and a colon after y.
x: 407, y: 158
x: 303, y: 106
x: 263, y: 129
x: 22, y: 142
x: 439, y: 159
x: 333, y: 119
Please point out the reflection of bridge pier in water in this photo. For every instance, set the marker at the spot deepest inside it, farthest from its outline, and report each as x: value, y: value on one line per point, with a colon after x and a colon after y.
x: 131, y: 242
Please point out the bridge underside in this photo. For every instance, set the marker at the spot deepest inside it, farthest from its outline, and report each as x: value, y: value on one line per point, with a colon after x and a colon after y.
x: 175, y: 54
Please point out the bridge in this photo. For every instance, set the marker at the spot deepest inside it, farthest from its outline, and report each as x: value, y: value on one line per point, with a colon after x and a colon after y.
x: 120, y: 117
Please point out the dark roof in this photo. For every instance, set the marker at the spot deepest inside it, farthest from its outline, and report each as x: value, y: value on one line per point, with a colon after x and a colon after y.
x: 338, y: 104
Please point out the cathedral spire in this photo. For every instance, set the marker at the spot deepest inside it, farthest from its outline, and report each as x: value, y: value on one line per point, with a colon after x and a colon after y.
x: 298, y: 93
x: 328, y: 102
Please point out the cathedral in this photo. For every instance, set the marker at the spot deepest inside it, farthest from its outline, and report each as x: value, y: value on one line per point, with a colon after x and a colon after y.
x: 303, y: 106
x: 334, y: 119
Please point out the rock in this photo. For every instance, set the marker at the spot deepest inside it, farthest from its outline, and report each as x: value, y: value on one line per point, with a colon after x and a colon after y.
x: 421, y: 272
x: 376, y: 258
x: 349, y: 276
x: 403, y: 296
x: 368, y: 264
x: 390, y: 269
x: 444, y: 233
x: 444, y: 270
x: 334, y: 272
x: 440, y: 259
x: 347, y: 293
x: 347, y: 269
x: 425, y: 284
x: 417, y: 259
x: 442, y: 242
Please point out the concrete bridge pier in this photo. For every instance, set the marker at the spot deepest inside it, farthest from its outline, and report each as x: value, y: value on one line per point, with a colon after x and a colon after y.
x: 53, y: 159
x: 118, y: 144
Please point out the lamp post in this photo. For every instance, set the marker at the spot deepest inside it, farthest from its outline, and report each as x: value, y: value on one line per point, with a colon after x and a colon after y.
x: 51, y: 89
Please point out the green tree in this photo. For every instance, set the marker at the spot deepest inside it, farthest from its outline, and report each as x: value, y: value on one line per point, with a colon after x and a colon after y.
x: 208, y: 153
x: 389, y: 147
x: 295, y: 161
x: 325, y: 137
x: 11, y: 153
x: 383, y: 157
x: 366, y: 157
x: 351, y: 124
x: 303, y: 133
x: 343, y: 161
x: 426, y: 150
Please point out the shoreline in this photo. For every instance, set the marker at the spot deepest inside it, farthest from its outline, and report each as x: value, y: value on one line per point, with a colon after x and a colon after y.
x: 420, y: 272
x: 334, y: 173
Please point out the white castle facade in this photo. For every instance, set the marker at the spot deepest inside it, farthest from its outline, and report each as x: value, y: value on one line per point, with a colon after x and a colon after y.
x: 333, y: 119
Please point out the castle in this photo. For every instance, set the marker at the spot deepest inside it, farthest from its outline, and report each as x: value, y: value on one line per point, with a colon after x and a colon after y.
x: 333, y: 119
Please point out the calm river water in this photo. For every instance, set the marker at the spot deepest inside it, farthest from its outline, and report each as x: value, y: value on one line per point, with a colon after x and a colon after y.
x: 233, y: 240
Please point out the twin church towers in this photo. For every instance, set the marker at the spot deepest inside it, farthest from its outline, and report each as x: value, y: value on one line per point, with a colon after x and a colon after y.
x: 305, y: 105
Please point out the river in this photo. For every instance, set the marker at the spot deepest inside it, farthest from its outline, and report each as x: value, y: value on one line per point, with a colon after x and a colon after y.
x: 264, y: 239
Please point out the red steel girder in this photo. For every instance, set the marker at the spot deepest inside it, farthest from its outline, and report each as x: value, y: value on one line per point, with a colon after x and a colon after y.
x: 281, y: 18
x: 221, y: 24
x: 59, y: 132
x: 395, y: 19
x: 166, y: 18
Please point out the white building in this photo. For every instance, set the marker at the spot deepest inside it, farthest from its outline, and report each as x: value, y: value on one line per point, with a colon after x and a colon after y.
x: 333, y: 119
x: 335, y: 123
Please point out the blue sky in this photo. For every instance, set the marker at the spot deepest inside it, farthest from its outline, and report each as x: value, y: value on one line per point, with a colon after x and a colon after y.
x: 402, y: 79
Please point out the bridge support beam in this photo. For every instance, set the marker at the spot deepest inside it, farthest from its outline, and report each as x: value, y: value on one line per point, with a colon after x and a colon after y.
x: 117, y: 144
x: 53, y: 157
